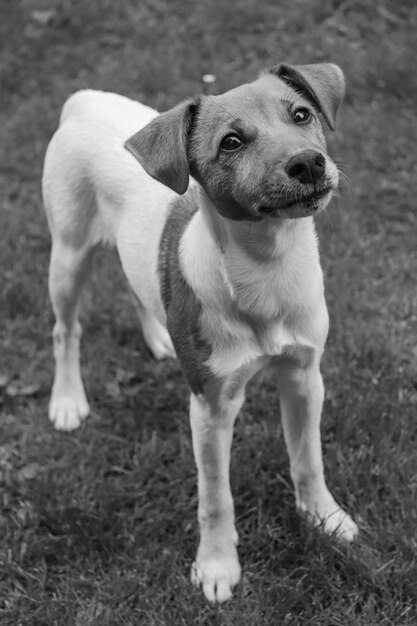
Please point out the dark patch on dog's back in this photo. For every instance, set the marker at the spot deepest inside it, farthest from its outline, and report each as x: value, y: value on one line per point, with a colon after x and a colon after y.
x: 182, y: 307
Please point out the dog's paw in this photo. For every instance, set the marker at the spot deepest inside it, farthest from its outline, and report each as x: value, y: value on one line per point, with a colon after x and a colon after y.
x: 332, y: 520
x: 66, y: 412
x: 340, y: 524
x: 217, y: 574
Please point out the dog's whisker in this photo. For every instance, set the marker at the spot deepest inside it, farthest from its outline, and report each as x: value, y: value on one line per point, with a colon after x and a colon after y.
x: 344, y: 182
x: 339, y: 159
x: 329, y: 219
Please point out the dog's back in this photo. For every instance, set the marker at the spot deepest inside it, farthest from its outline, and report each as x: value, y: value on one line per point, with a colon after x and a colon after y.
x: 94, y: 192
x: 93, y: 128
x: 119, y: 112
x: 87, y: 172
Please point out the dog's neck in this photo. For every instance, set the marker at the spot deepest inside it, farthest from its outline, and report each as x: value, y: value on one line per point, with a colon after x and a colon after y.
x: 264, y: 241
x: 256, y: 259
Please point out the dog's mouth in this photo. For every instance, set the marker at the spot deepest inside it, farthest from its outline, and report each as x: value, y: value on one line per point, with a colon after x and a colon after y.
x: 301, y: 205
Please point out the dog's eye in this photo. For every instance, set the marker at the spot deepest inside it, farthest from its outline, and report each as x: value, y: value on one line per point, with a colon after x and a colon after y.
x: 301, y: 115
x: 231, y: 143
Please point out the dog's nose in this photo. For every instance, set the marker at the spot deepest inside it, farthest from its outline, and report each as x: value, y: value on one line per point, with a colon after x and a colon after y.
x: 307, y: 166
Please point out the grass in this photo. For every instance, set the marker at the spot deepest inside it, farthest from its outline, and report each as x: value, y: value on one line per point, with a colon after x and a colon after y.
x: 99, y: 527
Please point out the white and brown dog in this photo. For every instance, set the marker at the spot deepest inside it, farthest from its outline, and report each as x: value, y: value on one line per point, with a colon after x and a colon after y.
x: 226, y: 269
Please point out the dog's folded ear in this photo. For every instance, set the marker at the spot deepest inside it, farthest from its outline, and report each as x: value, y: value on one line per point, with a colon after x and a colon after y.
x: 161, y: 146
x: 321, y: 83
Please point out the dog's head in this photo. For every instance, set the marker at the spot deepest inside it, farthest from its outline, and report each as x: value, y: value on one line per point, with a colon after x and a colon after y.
x: 257, y: 150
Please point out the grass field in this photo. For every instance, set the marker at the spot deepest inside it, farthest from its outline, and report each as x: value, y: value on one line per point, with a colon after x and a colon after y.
x: 99, y: 527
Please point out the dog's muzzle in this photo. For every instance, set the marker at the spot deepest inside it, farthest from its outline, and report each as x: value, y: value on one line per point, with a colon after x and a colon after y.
x: 305, y: 189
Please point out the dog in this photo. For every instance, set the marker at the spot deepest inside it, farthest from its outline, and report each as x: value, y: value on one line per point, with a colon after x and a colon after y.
x: 225, y: 268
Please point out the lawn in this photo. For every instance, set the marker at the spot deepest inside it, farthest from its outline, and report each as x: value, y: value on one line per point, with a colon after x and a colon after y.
x: 98, y: 527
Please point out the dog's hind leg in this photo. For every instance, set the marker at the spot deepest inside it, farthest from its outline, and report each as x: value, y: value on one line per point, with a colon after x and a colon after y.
x: 69, y: 268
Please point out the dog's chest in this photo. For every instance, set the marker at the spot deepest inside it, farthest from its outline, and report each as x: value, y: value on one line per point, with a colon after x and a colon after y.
x: 241, y: 341
x: 279, y: 340
x: 266, y: 313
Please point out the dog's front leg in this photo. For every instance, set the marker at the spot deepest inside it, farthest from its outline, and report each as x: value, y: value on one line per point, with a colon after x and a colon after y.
x: 301, y: 395
x: 216, y: 567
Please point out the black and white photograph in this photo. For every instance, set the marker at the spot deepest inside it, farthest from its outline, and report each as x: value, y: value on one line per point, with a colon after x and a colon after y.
x: 208, y: 297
